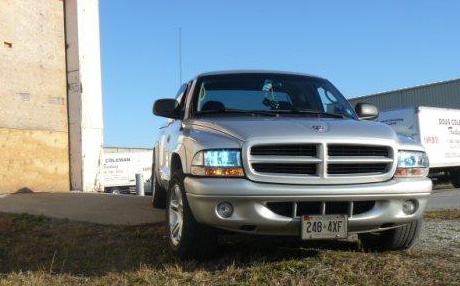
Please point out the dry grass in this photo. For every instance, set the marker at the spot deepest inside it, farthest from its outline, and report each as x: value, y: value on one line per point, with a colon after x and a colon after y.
x: 443, y: 214
x: 41, y: 251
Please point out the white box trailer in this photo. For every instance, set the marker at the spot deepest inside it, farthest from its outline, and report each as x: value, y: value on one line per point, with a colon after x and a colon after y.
x: 437, y: 129
x: 120, y: 169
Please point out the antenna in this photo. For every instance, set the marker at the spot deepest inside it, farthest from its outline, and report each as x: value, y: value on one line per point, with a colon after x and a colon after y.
x: 180, y: 56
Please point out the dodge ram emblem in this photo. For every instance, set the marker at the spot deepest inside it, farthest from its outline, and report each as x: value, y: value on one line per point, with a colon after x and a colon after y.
x: 318, y: 128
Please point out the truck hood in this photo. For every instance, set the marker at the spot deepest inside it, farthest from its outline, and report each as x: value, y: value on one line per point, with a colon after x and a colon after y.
x: 295, y: 128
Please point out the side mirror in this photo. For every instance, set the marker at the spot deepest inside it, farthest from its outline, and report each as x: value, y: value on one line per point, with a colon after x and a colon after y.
x: 367, y: 111
x: 167, y: 107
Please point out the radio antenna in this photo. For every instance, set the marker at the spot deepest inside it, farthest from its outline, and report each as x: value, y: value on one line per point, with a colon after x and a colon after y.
x: 180, y: 56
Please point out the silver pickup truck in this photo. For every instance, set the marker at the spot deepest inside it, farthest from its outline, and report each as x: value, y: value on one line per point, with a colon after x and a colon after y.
x: 277, y: 153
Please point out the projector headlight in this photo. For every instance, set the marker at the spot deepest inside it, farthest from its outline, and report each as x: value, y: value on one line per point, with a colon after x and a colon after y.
x: 412, y: 164
x: 218, y: 163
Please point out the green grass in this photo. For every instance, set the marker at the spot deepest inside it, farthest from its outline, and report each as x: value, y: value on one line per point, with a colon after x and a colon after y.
x: 42, y: 251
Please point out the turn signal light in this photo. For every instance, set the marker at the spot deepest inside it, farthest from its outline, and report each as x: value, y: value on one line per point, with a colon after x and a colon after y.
x: 217, y: 172
x: 411, y: 172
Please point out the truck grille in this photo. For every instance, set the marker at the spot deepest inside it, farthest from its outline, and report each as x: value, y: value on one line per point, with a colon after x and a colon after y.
x: 297, y: 209
x: 285, y: 150
x: 353, y: 150
x: 305, y: 169
x: 326, y: 162
x: 345, y: 169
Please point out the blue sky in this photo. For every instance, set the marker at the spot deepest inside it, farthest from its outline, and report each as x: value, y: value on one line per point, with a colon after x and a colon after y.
x: 363, y: 47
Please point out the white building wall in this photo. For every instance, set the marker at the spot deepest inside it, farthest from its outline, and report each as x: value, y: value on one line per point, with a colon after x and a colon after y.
x: 85, y: 94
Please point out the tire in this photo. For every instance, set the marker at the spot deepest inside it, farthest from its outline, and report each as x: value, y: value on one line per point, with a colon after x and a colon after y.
x: 115, y: 191
x: 187, y: 238
x: 455, y: 178
x: 158, y: 194
x: 400, y: 238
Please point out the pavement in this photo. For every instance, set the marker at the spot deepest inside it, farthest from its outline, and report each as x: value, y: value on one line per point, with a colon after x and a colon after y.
x: 129, y: 209
x: 86, y: 207
x: 444, y: 199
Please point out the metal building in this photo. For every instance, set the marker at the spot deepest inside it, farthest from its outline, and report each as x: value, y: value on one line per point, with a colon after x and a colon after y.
x: 109, y: 149
x: 445, y: 94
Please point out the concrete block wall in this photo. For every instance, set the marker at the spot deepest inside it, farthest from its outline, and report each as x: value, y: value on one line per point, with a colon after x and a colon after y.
x: 50, y: 96
x: 34, y: 134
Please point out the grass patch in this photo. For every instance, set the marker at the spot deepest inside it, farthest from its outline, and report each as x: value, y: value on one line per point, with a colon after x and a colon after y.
x: 443, y: 214
x: 42, y: 251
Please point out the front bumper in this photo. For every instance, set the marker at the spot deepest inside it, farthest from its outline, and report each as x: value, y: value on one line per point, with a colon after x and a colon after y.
x: 249, y: 201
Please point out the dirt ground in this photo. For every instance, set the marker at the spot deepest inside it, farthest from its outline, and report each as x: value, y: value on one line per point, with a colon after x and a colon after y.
x: 35, y: 250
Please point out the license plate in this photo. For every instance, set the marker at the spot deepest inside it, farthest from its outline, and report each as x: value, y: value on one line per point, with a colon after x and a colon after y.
x: 324, y: 227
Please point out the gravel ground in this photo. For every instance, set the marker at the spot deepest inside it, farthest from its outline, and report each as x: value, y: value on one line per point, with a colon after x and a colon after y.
x: 440, y: 236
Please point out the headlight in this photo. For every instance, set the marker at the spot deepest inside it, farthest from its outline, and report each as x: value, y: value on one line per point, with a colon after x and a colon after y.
x: 412, y: 164
x: 219, y: 163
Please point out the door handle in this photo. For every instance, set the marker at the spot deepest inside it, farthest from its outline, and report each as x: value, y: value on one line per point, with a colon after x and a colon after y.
x: 168, y: 138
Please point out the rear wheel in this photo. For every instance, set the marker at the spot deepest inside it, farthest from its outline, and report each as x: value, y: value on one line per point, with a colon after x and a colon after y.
x: 188, y: 239
x: 455, y: 177
x: 399, y: 238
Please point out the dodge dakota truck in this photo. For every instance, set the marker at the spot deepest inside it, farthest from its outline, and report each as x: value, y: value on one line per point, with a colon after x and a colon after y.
x: 279, y: 153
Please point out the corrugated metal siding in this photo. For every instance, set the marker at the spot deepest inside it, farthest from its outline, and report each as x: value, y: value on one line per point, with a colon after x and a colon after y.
x: 444, y: 94
x: 125, y: 150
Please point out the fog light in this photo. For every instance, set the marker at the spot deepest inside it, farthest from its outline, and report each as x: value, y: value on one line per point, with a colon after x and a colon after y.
x: 409, y: 207
x: 225, y: 210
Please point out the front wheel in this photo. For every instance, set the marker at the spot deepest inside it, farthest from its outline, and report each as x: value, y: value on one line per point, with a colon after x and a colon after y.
x: 188, y: 239
x: 399, y: 238
x: 455, y: 177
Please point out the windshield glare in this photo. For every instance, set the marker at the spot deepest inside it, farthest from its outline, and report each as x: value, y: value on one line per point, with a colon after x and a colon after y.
x: 268, y: 92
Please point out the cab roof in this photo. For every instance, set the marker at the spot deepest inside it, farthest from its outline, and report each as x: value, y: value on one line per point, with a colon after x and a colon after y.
x: 226, y: 72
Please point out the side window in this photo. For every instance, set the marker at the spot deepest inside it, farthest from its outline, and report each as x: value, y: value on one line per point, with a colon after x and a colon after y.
x: 181, y: 92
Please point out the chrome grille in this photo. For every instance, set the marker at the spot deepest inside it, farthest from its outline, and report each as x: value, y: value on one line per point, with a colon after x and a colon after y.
x: 320, y: 163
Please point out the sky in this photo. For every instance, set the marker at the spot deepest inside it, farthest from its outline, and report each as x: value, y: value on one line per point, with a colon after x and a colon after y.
x: 362, y: 47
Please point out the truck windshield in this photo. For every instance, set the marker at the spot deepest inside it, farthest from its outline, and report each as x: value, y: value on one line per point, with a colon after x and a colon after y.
x: 269, y: 93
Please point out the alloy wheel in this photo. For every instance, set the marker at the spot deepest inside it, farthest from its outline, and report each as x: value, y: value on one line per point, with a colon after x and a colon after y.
x: 176, y: 215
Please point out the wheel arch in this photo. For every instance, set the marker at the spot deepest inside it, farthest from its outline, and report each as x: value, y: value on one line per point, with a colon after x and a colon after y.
x: 177, y: 164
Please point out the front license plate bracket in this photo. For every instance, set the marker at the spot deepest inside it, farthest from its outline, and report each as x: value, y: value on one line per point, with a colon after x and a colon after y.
x: 324, y: 227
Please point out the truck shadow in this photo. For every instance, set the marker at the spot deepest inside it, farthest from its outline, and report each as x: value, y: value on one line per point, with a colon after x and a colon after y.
x: 37, y: 243
x: 245, y: 249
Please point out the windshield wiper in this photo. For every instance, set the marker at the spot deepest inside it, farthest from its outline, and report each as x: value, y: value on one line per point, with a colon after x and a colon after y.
x: 239, y: 111
x: 273, y: 113
x: 310, y: 111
